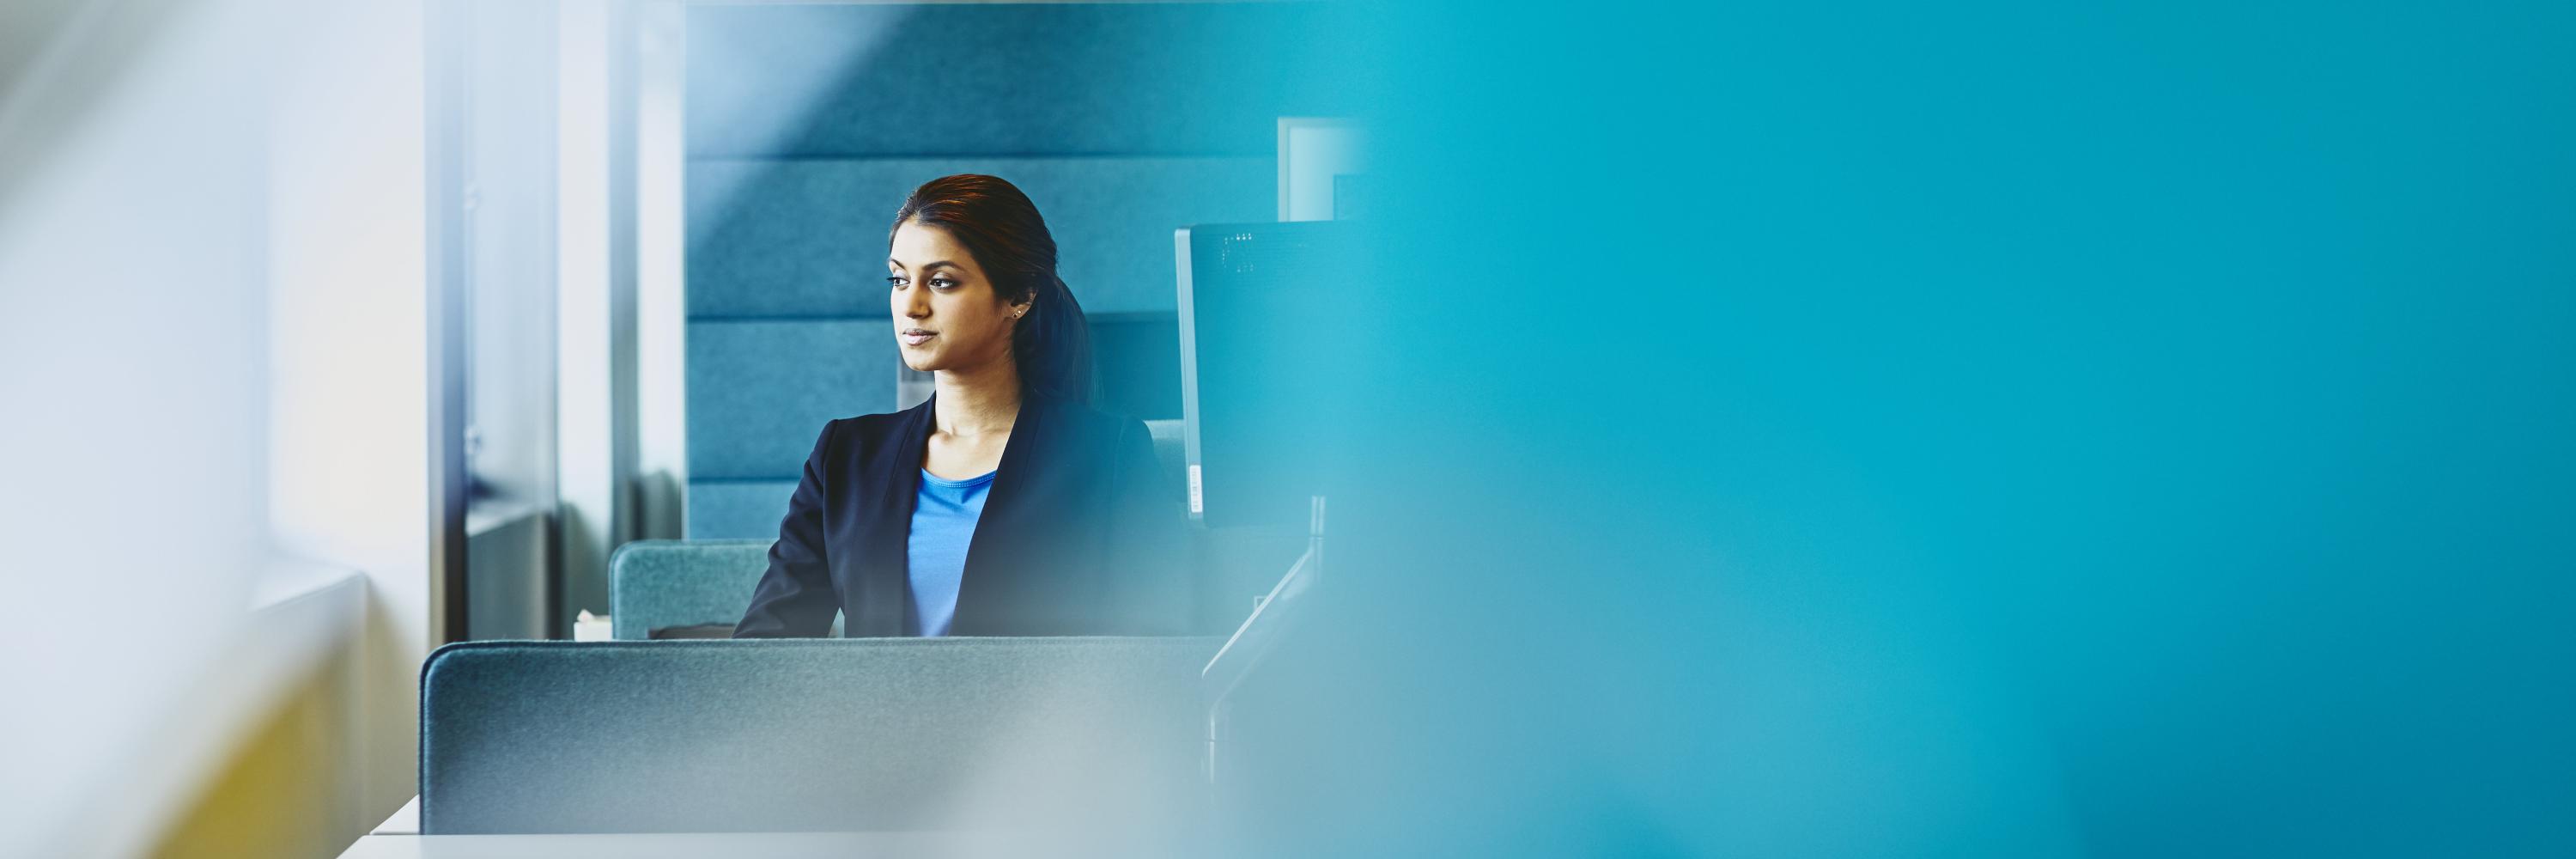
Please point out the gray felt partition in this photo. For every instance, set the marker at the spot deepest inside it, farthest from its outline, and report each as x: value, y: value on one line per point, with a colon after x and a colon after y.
x: 1095, y: 736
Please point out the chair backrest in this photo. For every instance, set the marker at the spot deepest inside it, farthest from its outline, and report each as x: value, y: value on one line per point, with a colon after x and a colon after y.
x: 816, y: 734
x: 660, y: 584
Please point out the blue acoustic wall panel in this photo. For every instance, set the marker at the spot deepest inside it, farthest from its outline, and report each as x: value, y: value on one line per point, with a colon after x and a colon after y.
x: 840, y: 81
x: 760, y: 392
x: 720, y: 509
x: 786, y: 237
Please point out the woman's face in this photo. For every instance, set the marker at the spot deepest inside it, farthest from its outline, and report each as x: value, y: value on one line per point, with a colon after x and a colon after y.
x: 947, y: 315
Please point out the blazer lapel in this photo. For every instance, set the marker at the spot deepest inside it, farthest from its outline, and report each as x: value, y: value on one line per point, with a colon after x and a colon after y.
x: 886, y: 586
x: 989, y: 580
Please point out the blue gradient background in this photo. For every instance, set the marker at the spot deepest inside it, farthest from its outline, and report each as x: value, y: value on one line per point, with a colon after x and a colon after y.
x: 1888, y: 429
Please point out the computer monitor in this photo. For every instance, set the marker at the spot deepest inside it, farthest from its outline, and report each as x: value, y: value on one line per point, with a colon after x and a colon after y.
x: 1257, y: 312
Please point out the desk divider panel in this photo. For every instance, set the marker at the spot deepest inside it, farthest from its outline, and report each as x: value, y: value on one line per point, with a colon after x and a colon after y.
x: 1086, y: 736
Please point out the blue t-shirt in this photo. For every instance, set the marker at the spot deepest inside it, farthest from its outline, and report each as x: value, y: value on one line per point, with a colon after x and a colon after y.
x: 943, y: 522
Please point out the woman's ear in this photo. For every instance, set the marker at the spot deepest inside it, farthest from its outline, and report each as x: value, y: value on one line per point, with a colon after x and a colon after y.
x: 1022, y: 308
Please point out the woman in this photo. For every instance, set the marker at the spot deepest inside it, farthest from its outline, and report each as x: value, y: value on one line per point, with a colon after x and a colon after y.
x: 1004, y: 505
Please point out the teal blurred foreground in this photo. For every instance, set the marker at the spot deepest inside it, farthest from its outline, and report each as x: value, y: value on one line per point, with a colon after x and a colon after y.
x: 1988, y: 430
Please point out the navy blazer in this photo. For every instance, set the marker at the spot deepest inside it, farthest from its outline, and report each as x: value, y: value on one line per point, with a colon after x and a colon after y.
x: 1080, y: 533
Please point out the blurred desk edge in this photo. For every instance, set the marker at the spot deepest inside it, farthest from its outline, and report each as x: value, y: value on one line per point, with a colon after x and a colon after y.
x: 694, y: 845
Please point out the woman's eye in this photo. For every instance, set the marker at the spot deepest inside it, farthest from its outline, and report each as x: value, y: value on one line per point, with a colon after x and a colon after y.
x: 941, y: 283
x: 894, y: 281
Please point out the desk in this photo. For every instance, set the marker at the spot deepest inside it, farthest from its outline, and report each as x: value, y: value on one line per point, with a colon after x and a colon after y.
x: 754, y: 845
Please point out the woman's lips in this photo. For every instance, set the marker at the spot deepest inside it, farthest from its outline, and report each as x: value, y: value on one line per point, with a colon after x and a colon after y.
x: 916, y: 338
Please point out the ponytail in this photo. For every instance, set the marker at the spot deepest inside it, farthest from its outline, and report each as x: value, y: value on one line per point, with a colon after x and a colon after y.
x: 1052, y: 345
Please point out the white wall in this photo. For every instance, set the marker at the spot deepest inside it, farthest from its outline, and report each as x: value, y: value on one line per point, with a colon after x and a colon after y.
x: 212, y: 325
x: 661, y: 264
x: 213, y: 354
x: 348, y: 342
x: 585, y: 339
x: 130, y: 473
x: 211, y: 320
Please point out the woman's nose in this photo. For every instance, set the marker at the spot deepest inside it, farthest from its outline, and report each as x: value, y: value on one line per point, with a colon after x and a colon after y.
x: 915, y: 304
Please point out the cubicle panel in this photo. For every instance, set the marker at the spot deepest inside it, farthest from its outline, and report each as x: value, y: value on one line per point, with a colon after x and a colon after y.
x: 738, y: 509
x: 760, y: 392
x: 1074, y: 735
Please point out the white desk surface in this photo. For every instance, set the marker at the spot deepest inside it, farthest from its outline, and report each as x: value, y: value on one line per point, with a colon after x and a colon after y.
x: 405, y: 820
x: 755, y: 845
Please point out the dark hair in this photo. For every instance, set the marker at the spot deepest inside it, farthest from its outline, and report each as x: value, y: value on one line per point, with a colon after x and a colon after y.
x: 998, y: 225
